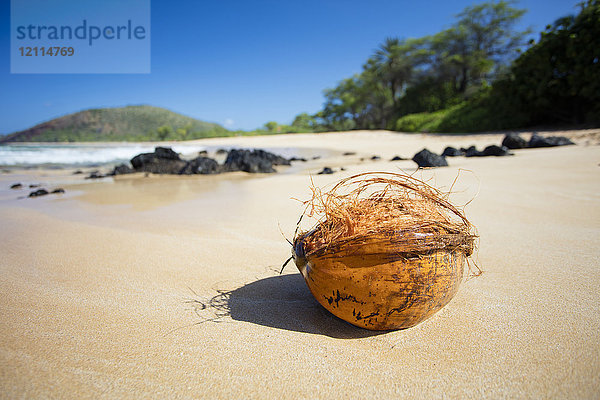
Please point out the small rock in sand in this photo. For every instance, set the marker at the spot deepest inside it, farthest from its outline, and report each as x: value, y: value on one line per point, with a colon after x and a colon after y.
x: 497, y: 151
x: 326, y: 170
x: 38, y: 193
x: 426, y: 159
x: 452, y: 152
x: 122, y: 169
x: 514, y: 141
x: 472, y: 152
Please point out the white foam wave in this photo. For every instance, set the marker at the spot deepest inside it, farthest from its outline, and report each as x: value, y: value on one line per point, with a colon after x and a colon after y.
x: 80, y: 155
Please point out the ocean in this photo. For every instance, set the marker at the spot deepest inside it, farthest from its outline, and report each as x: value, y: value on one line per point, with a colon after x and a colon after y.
x: 91, y: 154
x: 26, y: 155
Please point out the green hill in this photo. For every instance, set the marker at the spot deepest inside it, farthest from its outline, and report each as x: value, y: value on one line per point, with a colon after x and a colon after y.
x: 131, y: 123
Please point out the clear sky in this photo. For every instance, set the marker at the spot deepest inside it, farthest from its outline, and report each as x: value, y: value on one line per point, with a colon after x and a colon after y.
x: 240, y: 63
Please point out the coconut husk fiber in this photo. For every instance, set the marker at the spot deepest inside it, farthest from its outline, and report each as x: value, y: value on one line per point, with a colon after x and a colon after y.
x: 394, y: 212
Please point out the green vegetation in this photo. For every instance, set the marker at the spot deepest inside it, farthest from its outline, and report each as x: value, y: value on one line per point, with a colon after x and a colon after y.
x: 556, y: 81
x: 132, y: 123
x: 303, y: 123
x: 422, y: 122
x: 426, y: 75
x: 475, y: 77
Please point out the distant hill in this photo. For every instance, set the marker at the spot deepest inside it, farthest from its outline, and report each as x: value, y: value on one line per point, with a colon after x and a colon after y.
x: 131, y: 123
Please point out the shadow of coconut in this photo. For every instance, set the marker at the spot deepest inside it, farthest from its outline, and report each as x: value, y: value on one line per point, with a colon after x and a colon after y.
x: 284, y: 302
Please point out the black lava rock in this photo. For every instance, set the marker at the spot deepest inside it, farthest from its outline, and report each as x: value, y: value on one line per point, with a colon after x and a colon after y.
x: 222, y: 151
x: 298, y: 159
x: 166, y: 153
x: 514, y: 141
x: 550, y: 141
x: 253, y: 161
x: 349, y: 153
x: 16, y: 186
x: 375, y: 158
x: 326, y: 171
x: 96, y: 175
x: 452, y: 152
x: 426, y: 158
x: 38, y: 193
x: 163, y: 161
x: 397, y: 158
x: 274, y: 158
x: 473, y: 152
x: 122, y: 169
x: 59, y: 190
x: 201, y: 165
x: 497, y: 151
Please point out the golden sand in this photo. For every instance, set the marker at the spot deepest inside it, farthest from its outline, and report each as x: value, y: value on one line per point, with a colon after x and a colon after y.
x: 103, y: 287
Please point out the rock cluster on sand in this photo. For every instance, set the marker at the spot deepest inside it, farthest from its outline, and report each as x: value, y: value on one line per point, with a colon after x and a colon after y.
x: 43, y: 192
x: 493, y: 150
x: 514, y: 141
x: 166, y: 161
x: 426, y: 158
x: 550, y: 141
x: 38, y: 192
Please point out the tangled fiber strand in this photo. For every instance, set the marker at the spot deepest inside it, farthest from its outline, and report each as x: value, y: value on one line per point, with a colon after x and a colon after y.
x: 392, y: 212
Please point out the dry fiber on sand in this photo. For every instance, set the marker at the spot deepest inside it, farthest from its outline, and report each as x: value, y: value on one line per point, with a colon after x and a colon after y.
x: 400, y: 213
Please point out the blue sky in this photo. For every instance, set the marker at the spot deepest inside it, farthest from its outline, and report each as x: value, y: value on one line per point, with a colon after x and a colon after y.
x: 240, y: 63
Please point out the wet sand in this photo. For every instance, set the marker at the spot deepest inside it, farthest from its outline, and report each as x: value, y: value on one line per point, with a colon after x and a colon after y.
x: 168, y: 286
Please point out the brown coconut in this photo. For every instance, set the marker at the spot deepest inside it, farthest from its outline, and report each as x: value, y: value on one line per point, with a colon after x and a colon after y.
x: 387, y: 252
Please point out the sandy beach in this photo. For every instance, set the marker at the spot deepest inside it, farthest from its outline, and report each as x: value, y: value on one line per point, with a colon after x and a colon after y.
x: 169, y: 286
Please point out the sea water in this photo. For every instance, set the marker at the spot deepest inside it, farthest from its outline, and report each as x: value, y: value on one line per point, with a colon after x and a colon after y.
x: 92, y: 154
x: 81, y: 154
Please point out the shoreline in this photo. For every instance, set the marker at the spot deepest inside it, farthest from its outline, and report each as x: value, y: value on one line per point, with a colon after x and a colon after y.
x: 292, y: 145
x: 541, y: 131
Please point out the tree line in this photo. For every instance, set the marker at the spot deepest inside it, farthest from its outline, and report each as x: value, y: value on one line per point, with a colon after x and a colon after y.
x: 473, y: 76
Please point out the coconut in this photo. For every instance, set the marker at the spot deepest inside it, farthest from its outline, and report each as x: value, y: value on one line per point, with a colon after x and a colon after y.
x: 387, y: 251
